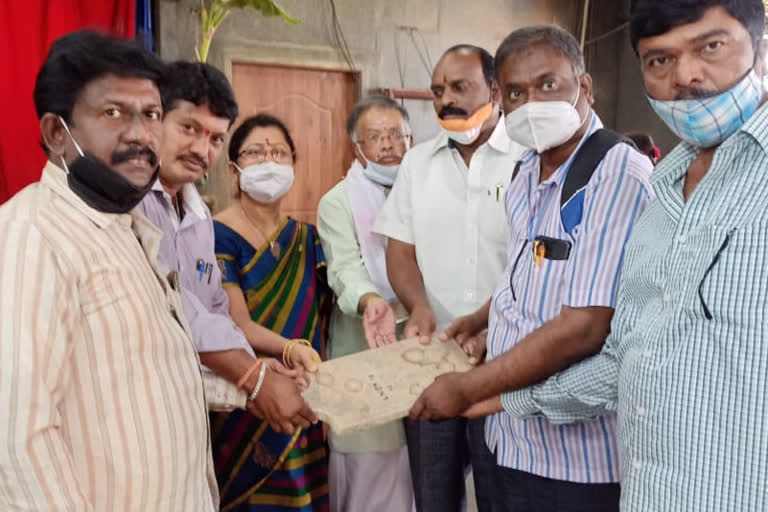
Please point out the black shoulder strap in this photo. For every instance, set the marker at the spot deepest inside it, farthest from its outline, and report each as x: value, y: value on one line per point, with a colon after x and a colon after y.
x: 587, y: 159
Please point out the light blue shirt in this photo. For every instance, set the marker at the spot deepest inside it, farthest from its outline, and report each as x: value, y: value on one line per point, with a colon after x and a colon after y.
x: 686, y: 364
x: 529, y: 295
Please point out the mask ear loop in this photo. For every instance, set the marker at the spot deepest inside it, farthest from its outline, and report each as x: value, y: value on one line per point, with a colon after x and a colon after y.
x: 589, y: 114
x: 77, y: 146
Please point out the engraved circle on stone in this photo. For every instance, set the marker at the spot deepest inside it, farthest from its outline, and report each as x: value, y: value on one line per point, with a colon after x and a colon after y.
x: 424, y: 356
x: 353, y: 385
x: 324, y: 379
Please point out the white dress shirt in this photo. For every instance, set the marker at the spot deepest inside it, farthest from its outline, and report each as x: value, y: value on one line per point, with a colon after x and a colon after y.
x: 455, y: 217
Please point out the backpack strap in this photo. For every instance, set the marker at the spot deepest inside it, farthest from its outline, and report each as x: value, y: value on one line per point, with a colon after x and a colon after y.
x: 580, y: 172
x: 589, y: 156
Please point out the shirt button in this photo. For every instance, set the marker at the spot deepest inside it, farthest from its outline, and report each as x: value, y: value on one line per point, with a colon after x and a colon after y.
x: 636, y: 464
x: 647, y: 354
x: 641, y: 412
x: 471, y: 260
x: 469, y: 295
x: 682, y: 238
x: 667, y: 298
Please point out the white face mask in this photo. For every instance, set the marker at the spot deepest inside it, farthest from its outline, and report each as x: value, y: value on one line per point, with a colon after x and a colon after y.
x: 378, y: 173
x: 266, y: 182
x: 543, y: 125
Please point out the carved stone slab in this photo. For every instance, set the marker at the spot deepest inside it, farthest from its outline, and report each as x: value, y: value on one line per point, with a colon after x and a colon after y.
x: 377, y: 386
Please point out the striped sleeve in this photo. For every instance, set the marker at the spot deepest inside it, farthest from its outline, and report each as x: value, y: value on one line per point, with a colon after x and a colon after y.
x: 583, y: 391
x: 614, y: 199
x: 39, y: 310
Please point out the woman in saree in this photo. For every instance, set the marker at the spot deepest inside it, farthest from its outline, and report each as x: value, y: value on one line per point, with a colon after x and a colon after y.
x: 274, y: 274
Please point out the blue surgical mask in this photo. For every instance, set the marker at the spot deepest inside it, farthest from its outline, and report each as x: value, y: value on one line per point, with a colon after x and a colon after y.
x: 706, y: 122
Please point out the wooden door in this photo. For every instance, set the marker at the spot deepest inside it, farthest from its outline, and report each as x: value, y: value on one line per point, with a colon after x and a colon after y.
x: 314, y: 105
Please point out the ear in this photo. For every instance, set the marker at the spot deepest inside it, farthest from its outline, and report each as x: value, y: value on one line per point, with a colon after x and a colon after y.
x: 495, y: 93
x: 585, y: 82
x: 760, y: 65
x: 359, y: 155
x: 234, y: 179
x: 54, y: 136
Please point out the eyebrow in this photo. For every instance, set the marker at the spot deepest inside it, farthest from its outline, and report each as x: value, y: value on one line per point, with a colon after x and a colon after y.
x: 122, y: 104
x: 712, y: 33
x: 695, y: 40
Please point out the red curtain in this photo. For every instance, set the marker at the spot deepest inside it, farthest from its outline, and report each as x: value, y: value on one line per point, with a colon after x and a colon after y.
x: 28, y: 29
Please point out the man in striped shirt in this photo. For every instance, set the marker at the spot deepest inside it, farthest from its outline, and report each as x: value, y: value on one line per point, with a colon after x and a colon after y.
x: 101, y: 400
x: 554, y: 307
x: 686, y: 364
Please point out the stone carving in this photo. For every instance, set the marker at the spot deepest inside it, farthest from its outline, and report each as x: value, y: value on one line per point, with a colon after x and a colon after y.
x: 376, y: 386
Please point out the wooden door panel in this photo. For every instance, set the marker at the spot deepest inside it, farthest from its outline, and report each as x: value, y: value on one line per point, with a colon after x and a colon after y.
x: 314, y: 105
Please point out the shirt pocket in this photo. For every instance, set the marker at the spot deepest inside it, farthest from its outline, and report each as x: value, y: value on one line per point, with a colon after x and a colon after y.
x: 101, y: 288
x: 730, y: 286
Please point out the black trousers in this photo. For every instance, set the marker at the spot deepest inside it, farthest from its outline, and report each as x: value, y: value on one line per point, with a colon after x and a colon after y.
x: 518, y: 491
x: 440, y: 454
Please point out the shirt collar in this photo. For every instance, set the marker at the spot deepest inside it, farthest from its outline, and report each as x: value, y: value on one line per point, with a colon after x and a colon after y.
x: 55, y: 178
x: 674, y: 166
x: 189, y: 194
x: 498, y: 140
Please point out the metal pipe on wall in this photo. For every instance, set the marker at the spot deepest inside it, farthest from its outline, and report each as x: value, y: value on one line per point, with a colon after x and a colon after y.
x: 584, y: 20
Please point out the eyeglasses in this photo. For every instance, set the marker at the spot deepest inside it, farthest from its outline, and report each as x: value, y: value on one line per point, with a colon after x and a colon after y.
x: 259, y: 154
x: 394, y: 135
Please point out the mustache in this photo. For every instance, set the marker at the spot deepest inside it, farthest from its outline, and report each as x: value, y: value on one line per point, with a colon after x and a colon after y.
x: 452, y: 111
x: 694, y: 93
x: 119, y: 157
x: 196, y: 159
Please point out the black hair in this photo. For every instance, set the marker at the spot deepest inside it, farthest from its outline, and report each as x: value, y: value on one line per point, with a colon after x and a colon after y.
x: 486, y: 59
x: 257, y: 121
x: 77, y: 58
x: 556, y: 38
x: 651, y: 18
x: 364, y: 105
x: 199, y: 83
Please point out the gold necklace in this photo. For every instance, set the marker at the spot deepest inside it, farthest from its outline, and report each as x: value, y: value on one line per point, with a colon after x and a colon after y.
x: 274, y: 246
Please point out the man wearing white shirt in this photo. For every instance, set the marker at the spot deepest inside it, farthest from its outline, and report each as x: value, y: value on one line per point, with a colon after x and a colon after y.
x: 447, y: 247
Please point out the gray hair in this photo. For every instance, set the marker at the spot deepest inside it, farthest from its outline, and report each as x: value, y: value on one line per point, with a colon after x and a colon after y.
x: 367, y: 103
x: 552, y: 36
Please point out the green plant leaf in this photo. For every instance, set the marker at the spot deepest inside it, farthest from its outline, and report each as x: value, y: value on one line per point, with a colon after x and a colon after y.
x: 265, y: 7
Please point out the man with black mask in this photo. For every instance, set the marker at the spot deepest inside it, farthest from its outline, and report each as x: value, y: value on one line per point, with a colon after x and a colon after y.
x: 102, y: 405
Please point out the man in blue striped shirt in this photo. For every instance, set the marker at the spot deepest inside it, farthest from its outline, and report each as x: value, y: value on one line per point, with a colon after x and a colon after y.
x: 551, y: 307
x: 686, y: 364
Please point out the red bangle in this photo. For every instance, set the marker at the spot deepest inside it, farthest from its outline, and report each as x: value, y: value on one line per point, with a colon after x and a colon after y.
x: 250, y: 371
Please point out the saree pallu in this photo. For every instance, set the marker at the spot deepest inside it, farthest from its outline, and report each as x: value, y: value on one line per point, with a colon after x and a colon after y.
x: 284, y: 285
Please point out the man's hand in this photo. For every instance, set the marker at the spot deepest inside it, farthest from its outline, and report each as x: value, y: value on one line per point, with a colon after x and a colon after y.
x: 443, y: 399
x: 471, y: 334
x: 421, y: 323
x: 280, y: 404
x: 378, y: 323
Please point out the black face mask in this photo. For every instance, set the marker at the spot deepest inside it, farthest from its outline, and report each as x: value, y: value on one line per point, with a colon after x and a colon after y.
x: 100, y: 187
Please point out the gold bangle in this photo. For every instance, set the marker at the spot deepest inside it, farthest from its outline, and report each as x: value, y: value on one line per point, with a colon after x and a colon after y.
x: 286, y: 350
x: 290, y: 347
